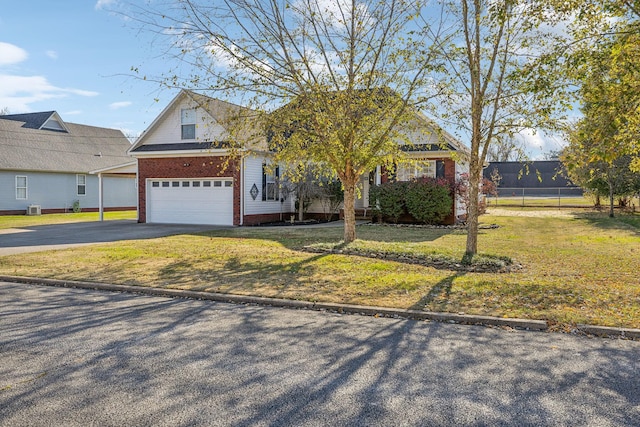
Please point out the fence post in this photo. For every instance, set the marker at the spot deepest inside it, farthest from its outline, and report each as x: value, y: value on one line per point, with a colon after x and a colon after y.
x: 523, y: 197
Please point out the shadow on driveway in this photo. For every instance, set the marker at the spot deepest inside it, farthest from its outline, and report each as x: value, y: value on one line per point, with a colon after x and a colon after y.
x: 62, y: 236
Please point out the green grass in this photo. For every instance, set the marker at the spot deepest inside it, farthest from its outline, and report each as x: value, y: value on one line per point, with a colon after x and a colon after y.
x: 580, y: 268
x: 17, y: 221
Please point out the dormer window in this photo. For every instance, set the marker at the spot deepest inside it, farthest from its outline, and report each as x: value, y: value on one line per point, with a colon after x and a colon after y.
x: 53, y: 124
x: 188, y: 122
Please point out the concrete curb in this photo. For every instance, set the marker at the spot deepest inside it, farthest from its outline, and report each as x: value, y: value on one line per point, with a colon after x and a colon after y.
x: 606, y: 331
x: 536, y: 325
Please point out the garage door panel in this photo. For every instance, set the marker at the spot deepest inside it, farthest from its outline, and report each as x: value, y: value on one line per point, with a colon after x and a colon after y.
x: 179, y: 201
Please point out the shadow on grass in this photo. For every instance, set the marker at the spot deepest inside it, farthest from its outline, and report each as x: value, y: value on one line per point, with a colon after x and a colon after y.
x: 328, y: 241
x: 238, y: 273
x: 439, y: 292
x: 300, y: 237
x: 622, y: 221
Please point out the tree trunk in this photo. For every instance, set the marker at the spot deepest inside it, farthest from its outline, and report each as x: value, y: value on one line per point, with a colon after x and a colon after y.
x: 349, y: 213
x: 611, y: 201
x: 472, y: 213
x: 300, y: 209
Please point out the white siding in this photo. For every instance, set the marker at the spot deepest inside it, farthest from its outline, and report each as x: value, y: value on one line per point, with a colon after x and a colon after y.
x: 168, y: 131
x: 59, y: 191
x: 253, y: 175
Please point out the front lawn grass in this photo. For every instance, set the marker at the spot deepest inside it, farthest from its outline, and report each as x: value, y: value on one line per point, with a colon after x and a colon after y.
x: 17, y: 221
x: 581, y: 268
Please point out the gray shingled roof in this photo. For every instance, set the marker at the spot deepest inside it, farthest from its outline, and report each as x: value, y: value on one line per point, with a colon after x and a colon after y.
x: 82, y: 149
x: 532, y: 174
x: 30, y: 120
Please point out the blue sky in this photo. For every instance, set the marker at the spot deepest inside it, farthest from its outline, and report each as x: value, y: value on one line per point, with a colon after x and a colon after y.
x: 75, y: 57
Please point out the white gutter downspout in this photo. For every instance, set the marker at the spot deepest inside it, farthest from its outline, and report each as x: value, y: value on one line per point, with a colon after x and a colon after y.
x: 242, y: 191
x: 100, y: 196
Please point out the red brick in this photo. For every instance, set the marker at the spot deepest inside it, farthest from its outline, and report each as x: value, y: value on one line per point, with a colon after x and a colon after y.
x: 188, y: 167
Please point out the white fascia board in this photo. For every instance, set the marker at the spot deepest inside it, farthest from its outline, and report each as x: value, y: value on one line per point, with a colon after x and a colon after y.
x: 433, y: 154
x: 180, y: 153
x: 130, y: 167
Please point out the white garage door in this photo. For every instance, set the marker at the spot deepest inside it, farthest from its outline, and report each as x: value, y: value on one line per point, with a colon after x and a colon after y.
x: 190, y: 201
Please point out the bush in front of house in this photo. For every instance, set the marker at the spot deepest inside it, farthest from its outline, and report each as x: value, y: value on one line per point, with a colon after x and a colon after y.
x: 389, y: 199
x: 427, y: 200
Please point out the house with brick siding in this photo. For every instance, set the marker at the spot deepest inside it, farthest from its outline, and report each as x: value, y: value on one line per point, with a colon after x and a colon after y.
x: 206, y: 161
x: 432, y: 153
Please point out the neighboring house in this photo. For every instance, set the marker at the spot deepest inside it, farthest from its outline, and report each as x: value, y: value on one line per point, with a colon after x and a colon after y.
x: 188, y: 174
x: 535, y: 178
x: 45, y: 166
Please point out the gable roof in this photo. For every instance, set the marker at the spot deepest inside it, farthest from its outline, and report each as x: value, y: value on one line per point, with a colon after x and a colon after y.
x: 251, y: 130
x: 451, y: 143
x: 220, y: 111
x: 420, y: 126
x: 27, y: 144
x: 38, y: 120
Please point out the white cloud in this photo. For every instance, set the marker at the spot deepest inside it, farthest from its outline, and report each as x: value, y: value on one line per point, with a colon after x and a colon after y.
x: 537, y: 143
x: 102, y: 4
x: 18, y: 92
x: 72, y: 113
x: 52, y: 54
x: 118, y: 105
x: 11, y: 54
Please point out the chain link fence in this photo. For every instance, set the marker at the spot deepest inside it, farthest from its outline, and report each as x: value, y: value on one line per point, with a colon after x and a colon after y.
x: 557, y: 197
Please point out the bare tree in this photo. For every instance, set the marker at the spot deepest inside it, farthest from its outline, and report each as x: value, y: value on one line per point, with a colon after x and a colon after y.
x: 353, y: 69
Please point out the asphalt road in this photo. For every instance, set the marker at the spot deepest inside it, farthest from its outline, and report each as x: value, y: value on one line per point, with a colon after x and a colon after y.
x: 61, y: 236
x: 72, y: 357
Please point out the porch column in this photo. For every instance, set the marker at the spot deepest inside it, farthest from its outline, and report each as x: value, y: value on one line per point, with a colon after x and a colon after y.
x: 100, y: 195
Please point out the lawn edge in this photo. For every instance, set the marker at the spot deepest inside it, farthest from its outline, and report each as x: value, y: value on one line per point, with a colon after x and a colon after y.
x: 525, y: 324
x: 467, y: 319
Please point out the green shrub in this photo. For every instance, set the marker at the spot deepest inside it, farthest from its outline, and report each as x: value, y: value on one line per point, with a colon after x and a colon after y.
x: 428, y: 200
x: 388, y: 199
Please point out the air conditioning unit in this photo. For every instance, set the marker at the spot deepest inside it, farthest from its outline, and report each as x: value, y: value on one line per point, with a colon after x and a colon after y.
x: 34, y: 210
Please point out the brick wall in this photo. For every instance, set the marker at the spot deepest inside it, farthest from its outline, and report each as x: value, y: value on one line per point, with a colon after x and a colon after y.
x: 264, y: 218
x: 188, y: 167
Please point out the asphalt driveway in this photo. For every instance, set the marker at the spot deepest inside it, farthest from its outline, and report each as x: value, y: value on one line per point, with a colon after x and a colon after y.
x: 74, y: 357
x: 61, y: 236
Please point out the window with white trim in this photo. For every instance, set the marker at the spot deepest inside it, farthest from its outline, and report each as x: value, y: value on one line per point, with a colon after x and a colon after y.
x: 21, y: 187
x: 270, y: 183
x: 81, y: 183
x: 188, y: 123
x: 419, y: 169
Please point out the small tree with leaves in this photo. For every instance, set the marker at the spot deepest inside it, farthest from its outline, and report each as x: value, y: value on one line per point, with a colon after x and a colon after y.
x: 351, y: 71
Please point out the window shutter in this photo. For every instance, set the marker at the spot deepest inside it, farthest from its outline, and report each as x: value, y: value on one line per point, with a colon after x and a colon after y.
x: 277, y: 176
x: 440, y: 169
x: 264, y: 182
